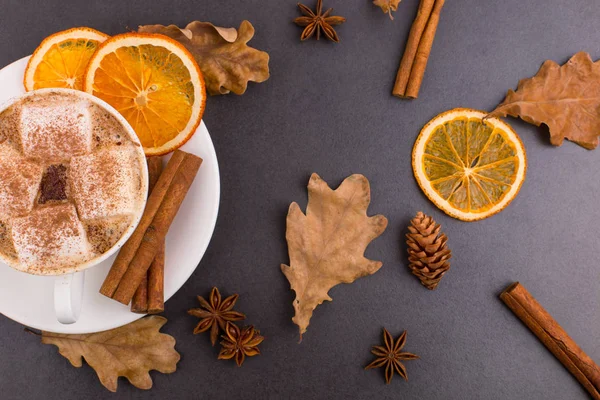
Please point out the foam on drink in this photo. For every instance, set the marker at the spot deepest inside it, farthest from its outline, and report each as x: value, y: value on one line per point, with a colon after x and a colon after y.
x: 70, y: 182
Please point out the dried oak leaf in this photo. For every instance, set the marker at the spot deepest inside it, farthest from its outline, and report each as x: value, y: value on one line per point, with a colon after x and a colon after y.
x: 327, y: 245
x: 387, y: 6
x: 565, y: 98
x: 130, y: 351
x: 227, y: 63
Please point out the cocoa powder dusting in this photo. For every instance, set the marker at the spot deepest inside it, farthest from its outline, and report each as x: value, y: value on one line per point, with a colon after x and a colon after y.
x: 103, y: 235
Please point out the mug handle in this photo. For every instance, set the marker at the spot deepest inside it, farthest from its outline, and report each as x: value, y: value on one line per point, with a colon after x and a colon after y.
x: 68, y: 297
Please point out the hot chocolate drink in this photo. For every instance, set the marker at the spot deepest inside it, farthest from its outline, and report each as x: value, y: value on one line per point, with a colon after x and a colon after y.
x: 72, y: 182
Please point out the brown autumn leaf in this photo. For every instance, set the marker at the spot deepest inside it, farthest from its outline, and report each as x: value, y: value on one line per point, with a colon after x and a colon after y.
x: 565, y: 98
x: 227, y: 63
x: 387, y: 6
x: 130, y: 351
x: 327, y: 245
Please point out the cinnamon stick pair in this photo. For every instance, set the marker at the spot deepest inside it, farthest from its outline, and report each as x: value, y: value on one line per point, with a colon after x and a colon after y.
x: 553, y: 336
x: 149, y: 297
x: 133, y: 261
x: 420, y: 39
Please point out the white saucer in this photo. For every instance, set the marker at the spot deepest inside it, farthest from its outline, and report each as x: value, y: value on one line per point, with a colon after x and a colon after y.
x: 28, y: 299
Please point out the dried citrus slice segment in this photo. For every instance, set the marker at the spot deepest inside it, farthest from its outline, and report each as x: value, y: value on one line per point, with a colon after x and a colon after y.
x: 61, y: 59
x: 469, y: 167
x: 155, y: 83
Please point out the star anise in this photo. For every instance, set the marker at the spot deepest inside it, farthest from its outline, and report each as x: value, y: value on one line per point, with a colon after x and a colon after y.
x: 317, y: 21
x: 390, y: 356
x: 240, y: 343
x: 215, y: 313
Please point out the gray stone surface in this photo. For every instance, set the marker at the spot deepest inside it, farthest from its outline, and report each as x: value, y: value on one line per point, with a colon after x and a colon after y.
x: 327, y: 108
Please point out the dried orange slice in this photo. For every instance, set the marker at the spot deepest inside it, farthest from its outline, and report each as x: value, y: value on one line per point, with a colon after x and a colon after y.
x: 155, y: 83
x: 61, y: 59
x: 469, y: 167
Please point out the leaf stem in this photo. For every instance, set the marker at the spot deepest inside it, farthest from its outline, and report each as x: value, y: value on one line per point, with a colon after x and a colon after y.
x: 28, y: 330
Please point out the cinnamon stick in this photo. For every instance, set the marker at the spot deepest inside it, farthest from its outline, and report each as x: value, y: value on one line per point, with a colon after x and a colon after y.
x: 139, y: 303
x: 553, y: 336
x: 157, y: 197
x: 156, y: 285
x: 155, y: 232
x: 141, y: 298
x: 418, y: 47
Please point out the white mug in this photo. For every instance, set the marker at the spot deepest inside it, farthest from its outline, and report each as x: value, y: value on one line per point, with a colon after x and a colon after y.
x: 69, y: 286
x: 68, y: 297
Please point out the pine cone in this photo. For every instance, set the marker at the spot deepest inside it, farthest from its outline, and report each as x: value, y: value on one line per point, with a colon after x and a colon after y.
x: 428, y: 254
